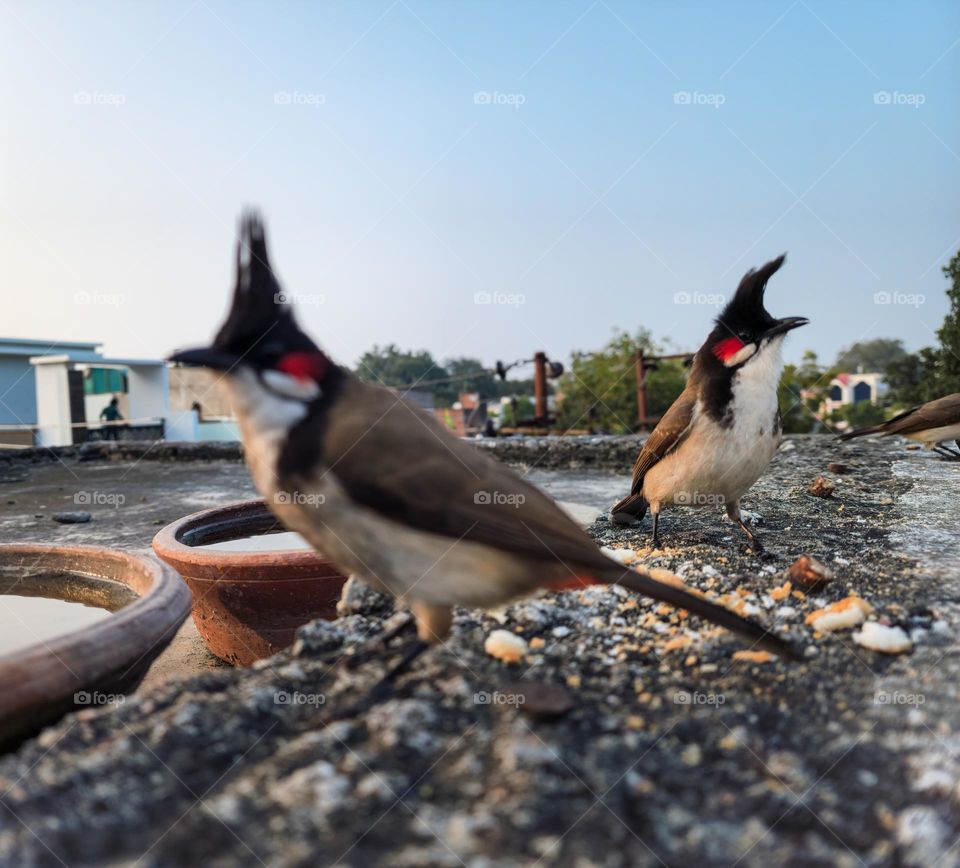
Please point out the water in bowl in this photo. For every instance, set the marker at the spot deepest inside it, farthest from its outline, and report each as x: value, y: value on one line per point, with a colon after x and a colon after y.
x: 26, y: 621
x: 266, y: 542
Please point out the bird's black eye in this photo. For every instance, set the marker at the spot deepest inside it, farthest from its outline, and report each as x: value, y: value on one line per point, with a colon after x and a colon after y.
x: 744, y: 337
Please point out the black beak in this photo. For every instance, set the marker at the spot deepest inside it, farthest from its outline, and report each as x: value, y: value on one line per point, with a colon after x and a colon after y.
x: 782, y: 326
x: 206, y: 357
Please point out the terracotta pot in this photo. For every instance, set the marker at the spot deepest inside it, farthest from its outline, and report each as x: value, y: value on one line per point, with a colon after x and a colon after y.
x: 247, y: 605
x: 42, y: 682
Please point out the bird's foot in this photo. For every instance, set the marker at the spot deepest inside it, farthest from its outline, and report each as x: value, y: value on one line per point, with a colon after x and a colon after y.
x: 656, y: 542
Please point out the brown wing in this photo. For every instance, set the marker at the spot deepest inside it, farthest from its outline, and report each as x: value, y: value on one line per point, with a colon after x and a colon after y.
x: 668, y: 434
x: 934, y: 414
x: 397, y: 460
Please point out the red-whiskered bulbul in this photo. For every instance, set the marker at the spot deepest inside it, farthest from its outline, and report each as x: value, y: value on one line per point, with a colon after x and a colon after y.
x: 930, y: 424
x: 384, y: 491
x: 718, y: 437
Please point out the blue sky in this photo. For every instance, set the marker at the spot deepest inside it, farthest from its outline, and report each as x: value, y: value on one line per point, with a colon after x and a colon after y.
x: 582, y: 166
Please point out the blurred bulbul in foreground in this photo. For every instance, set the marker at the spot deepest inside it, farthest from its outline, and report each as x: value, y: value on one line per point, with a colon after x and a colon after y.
x: 384, y: 491
x: 718, y: 437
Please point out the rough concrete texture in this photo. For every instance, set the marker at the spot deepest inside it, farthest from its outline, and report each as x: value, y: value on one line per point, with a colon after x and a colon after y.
x: 672, y: 752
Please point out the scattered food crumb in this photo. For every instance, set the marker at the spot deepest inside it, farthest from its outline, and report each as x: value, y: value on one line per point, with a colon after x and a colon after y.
x: 505, y: 646
x: 782, y: 592
x: 821, y: 487
x: 841, y: 615
x: 809, y: 572
x: 753, y: 656
x: 878, y: 637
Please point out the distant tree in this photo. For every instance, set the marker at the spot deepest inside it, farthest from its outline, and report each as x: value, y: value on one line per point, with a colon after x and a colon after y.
x: 859, y: 415
x: 392, y: 366
x: 933, y: 371
x: 949, y: 332
x: 872, y: 356
x: 802, y: 389
x: 470, y: 376
x: 600, y: 389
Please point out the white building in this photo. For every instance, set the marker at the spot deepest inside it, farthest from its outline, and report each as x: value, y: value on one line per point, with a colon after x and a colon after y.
x: 854, y: 389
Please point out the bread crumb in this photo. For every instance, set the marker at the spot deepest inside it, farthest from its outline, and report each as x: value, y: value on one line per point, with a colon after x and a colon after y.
x: 878, y: 637
x: 753, y: 656
x: 505, y: 646
x: 782, y: 592
x: 841, y: 615
x: 573, y: 681
x: 537, y: 642
x: 677, y: 643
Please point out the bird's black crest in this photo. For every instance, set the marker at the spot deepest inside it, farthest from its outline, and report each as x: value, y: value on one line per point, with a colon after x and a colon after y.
x: 747, y: 306
x: 260, y: 316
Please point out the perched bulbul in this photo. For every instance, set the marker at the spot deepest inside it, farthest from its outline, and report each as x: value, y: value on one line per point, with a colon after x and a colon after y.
x: 383, y: 490
x: 930, y: 424
x: 720, y: 434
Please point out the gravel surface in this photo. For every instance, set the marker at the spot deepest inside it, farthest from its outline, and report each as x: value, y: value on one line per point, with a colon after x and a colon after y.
x: 629, y: 735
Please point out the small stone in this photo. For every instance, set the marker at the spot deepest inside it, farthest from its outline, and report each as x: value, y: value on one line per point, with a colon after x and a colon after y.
x: 839, y: 469
x: 72, y: 517
x: 821, y: 487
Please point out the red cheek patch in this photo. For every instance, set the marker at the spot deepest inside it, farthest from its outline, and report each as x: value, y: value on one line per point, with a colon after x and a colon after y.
x: 727, y: 347
x: 304, y: 366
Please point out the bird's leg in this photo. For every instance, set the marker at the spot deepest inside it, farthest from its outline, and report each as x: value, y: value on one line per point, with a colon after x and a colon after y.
x: 733, y: 512
x: 947, y: 452
x: 655, y: 542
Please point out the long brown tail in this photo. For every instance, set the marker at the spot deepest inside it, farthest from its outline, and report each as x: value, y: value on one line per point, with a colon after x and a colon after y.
x: 674, y: 596
x: 862, y: 432
x: 633, y: 506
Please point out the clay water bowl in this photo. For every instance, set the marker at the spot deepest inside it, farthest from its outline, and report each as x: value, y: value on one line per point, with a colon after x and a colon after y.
x: 83, y: 625
x: 247, y: 604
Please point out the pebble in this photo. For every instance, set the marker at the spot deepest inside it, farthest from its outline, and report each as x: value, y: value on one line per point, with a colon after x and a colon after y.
x: 72, y: 517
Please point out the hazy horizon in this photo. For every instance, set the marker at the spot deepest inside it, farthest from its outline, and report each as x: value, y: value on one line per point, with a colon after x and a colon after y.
x: 479, y: 180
